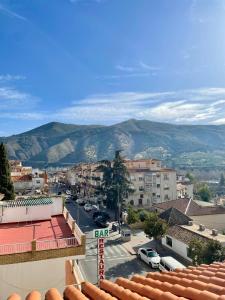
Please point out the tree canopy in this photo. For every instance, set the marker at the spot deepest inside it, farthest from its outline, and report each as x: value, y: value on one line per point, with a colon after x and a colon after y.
x: 115, y: 183
x: 6, y: 186
x: 205, y: 252
x: 204, y: 192
x: 155, y: 227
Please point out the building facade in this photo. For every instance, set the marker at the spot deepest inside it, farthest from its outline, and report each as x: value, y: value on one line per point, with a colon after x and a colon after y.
x: 150, y: 181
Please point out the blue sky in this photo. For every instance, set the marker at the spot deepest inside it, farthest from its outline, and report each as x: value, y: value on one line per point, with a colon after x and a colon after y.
x: 105, y: 61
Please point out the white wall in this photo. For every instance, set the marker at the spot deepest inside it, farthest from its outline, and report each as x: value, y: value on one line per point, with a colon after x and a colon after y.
x: 22, y: 185
x: 57, y: 206
x: 41, y: 275
x: 23, y: 213
x: 177, y: 246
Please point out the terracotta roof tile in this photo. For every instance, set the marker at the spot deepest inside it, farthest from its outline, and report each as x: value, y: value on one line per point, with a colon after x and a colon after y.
x: 205, y: 282
x: 34, y: 295
x: 71, y: 293
x: 14, y: 297
x: 53, y: 294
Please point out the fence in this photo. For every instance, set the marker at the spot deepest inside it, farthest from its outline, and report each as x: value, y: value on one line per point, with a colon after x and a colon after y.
x: 38, y: 245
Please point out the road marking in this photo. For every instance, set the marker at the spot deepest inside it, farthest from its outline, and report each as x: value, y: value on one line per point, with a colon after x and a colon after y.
x: 110, y: 258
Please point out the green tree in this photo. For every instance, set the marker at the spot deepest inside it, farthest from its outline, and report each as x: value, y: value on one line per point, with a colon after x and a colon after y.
x: 115, y: 182
x: 190, y: 177
x: 204, y: 192
x: 143, y: 215
x: 132, y: 216
x: 205, y: 252
x: 222, y: 180
x: 6, y: 186
x: 155, y: 227
x: 213, y: 251
x: 195, y: 251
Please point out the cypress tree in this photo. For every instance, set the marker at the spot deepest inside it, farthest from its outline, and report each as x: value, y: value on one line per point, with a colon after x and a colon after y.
x: 6, y: 186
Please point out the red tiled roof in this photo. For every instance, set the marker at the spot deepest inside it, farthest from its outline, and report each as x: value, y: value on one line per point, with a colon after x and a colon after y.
x: 48, y: 230
x: 22, y: 178
x: 206, y: 282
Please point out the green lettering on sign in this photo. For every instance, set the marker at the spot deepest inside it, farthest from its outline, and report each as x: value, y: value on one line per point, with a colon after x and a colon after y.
x: 101, y: 233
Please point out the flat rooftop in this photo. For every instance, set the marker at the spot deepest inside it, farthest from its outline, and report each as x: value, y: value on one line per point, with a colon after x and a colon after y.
x: 49, y: 234
x: 206, y: 233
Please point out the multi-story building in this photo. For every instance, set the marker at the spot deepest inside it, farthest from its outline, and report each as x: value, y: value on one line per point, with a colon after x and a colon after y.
x: 38, y: 238
x: 27, y: 179
x: 184, y: 187
x: 151, y: 183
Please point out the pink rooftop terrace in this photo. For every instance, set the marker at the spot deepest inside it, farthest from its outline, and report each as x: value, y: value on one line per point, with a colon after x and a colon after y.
x: 49, y: 234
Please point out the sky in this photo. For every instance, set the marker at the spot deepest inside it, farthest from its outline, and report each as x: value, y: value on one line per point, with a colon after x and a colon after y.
x: 107, y: 61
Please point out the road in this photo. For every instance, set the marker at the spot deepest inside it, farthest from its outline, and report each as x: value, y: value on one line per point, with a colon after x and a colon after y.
x: 118, y: 262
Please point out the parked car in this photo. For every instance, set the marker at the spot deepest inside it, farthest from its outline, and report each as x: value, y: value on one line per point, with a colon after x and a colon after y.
x: 150, y: 256
x: 168, y: 263
x: 101, y: 222
x: 95, y: 207
x: 81, y: 201
x: 68, y: 192
x: 87, y: 207
x: 101, y: 214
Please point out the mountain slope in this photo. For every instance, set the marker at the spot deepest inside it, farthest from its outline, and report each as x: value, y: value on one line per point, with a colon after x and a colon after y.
x: 58, y: 143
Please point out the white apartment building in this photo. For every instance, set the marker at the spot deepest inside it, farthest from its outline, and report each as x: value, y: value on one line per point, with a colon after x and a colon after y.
x: 151, y: 183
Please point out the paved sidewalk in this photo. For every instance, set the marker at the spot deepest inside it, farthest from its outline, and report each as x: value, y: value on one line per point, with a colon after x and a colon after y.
x: 138, y: 240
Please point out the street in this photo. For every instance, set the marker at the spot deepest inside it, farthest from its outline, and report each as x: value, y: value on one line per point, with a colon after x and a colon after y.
x: 118, y: 261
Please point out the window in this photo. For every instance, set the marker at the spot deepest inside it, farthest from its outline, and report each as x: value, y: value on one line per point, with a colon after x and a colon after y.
x: 38, y: 181
x: 166, y: 197
x: 158, y: 185
x: 166, y: 177
x: 141, y: 178
x: 188, y: 252
x: 141, y: 188
x: 158, y: 196
x: 169, y: 241
x: 166, y: 188
x: 141, y: 195
x: 153, y: 194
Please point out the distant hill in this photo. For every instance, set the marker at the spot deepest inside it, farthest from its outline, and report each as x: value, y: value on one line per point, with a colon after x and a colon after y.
x: 62, y: 144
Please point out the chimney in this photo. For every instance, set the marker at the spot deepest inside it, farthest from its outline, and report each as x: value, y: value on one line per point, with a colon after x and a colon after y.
x: 214, y: 232
x: 201, y: 227
x: 190, y: 223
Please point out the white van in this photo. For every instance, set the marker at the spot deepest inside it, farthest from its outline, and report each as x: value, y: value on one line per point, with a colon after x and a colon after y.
x: 168, y: 263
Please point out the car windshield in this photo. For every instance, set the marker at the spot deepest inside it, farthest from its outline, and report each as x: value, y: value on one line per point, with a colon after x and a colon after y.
x: 152, y: 254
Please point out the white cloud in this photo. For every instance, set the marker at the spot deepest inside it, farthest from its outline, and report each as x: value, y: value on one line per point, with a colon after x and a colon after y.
x: 12, y: 98
x: 148, y: 67
x: 199, y: 106
x: 11, y: 13
x: 9, y: 77
x: 125, y: 68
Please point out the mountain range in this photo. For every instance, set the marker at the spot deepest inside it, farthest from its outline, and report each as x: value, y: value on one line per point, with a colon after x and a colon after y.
x: 60, y: 144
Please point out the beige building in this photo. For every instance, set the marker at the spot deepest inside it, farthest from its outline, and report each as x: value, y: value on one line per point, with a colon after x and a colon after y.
x: 150, y: 182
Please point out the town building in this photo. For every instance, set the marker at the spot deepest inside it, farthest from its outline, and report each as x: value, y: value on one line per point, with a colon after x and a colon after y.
x: 195, y: 283
x: 182, y: 230
x: 38, y: 240
x: 184, y: 187
x: 150, y: 181
x: 27, y: 179
x: 206, y: 213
